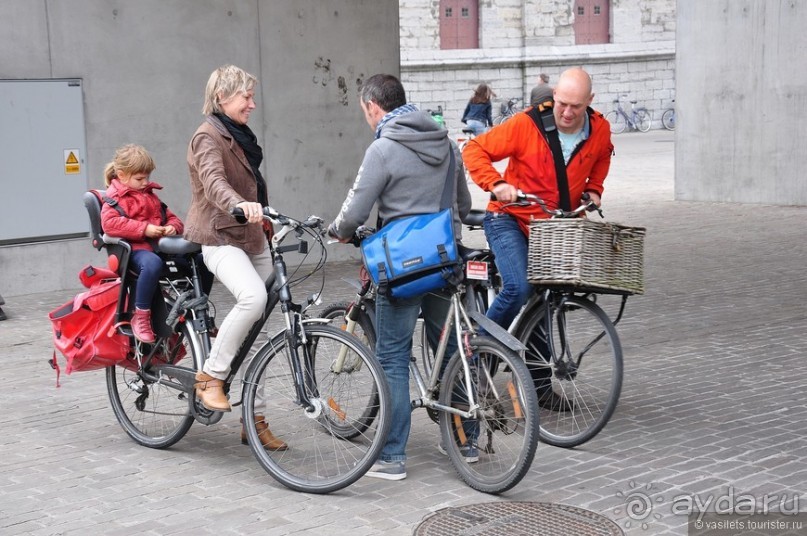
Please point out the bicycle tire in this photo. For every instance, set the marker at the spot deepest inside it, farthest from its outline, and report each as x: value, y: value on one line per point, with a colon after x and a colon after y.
x: 585, y: 395
x: 153, y: 414
x: 363, y: 329
x: 617, y: 121
x: 318, y: 458
x: 507, y: 428
x: 668, y: 119
x: 644, y: 119
x: 366, y: 330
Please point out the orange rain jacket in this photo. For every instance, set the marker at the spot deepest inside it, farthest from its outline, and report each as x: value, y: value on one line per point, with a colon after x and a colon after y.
x: 531, y: 168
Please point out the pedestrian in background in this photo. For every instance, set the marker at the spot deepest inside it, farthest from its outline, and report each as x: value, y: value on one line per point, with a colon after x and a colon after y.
x: 478, y: 114
x: 541, y: 92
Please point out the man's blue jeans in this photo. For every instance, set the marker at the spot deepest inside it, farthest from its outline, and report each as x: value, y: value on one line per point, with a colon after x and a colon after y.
x: 396, y: 320
x: 509, y: 246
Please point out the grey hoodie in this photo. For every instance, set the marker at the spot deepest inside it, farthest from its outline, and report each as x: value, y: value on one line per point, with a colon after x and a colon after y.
x: 404, y: 171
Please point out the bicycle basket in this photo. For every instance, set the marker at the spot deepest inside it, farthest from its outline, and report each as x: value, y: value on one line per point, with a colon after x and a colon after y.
x: 583, y: 255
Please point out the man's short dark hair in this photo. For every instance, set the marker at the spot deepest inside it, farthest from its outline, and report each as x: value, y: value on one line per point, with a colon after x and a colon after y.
x: 385, y: 90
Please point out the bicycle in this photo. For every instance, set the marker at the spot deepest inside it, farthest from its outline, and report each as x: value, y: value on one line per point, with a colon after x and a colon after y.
x: 589, y: 389
x: 668, y: 117
x: 507, y: 110
x: 437, y: 115
x: 638, y: 119
x: 573, y: 350
x: 329, y: 397
x: 467, y: 135
x: 485, y: 382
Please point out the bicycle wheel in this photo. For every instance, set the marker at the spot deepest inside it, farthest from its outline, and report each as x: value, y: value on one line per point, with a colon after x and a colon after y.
x: 493, y: 451
x: 644, y: 119
x: 320, y: 457
x: 578, y: 389
x: 618, y: 122
x: 668, y: 119
x: 154, y: 414
x: 363, y: 330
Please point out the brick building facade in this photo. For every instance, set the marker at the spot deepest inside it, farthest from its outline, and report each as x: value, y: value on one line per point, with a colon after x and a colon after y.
x: 629, y: 51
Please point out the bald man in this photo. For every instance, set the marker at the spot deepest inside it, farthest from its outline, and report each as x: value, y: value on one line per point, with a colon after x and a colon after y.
x: 585, y: 140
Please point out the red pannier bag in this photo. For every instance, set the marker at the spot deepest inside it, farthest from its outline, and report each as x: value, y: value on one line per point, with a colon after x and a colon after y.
x: 84, y: 330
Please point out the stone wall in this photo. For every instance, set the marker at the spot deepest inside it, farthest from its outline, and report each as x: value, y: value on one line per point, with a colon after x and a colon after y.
x: 519, y: 39
x: 144, y: 66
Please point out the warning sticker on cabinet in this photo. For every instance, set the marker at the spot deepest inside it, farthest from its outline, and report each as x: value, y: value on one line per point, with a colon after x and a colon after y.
x: 72, y: 162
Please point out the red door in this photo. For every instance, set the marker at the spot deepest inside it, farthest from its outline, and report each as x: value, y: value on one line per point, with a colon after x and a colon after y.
x: 459, y: 23
x: 591, y: 21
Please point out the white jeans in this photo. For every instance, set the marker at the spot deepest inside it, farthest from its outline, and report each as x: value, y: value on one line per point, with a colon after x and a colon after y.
x: 244, y: 276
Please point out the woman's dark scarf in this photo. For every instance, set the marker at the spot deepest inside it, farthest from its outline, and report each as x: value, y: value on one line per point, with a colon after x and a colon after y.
x: 244, y: 136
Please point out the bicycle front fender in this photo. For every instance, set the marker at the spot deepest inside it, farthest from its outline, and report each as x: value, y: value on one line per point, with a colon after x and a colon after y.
x: 497, y: 332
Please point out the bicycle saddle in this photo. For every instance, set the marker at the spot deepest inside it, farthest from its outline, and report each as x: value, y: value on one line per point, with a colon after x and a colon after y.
x: 176, y: 245
x: 474, y: 218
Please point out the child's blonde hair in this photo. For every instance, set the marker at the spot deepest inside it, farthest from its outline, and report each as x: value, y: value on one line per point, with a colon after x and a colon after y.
x: 130, y: 158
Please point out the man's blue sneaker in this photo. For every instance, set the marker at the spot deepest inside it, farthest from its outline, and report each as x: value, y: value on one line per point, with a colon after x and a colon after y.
x: 387, y: 470
x: 469, y: 452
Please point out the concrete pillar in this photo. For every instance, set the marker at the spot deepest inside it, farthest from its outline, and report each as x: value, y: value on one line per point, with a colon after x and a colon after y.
x: 741, y: 101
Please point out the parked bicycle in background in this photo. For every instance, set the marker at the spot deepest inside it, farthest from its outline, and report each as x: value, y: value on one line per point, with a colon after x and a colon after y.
x: 668, y: 117
x: 637, y: 118
x: 507, y: 110
x: 437, y: 115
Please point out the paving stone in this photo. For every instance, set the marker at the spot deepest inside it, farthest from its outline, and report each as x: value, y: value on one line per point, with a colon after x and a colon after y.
x: 712, y: 400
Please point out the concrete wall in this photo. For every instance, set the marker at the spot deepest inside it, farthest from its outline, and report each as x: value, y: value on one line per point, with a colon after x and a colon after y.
x: 144, y: 66
x: 519, y: 39
x: 741, y: 101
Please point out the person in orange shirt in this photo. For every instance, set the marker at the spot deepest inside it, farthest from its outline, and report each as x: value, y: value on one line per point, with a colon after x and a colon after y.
x: 585, y: 139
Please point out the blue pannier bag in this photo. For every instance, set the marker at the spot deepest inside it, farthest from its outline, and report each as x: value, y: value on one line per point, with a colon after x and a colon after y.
x: 413, y: 255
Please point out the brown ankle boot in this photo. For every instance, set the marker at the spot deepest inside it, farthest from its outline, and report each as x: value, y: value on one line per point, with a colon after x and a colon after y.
x: 141, y: 326
x: 210, y: 391
x: 268, y: 440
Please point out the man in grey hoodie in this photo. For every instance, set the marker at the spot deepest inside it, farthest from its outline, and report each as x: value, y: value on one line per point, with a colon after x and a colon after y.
x: 404, y: 172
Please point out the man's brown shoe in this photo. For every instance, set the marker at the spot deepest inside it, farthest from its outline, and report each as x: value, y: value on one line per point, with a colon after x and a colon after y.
x: 268, y: 440
x: 210, y: 391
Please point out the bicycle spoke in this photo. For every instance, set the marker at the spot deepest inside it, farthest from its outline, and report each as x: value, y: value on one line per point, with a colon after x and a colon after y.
x: 331, y: 444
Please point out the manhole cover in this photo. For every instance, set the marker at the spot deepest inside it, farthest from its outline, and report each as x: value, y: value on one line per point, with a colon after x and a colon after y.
x: 514, y: 519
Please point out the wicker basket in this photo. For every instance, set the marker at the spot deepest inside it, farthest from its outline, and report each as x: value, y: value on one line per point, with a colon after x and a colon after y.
x: 587, y: 256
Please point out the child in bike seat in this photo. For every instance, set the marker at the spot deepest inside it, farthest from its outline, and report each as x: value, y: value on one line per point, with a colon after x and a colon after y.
x: 132, y: 211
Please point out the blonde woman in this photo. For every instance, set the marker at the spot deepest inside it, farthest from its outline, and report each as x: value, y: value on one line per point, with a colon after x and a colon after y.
x: 224, y: 160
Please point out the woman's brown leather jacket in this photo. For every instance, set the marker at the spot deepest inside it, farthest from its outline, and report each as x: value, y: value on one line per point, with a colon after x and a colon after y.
x: 220, y: 179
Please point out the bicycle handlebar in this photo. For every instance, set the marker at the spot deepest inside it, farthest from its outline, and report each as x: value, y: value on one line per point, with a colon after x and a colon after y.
x: 312, y: 222
x: 289, y: 224
x: 525, y: 200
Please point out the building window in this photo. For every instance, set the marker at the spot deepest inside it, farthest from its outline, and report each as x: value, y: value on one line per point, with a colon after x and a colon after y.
x: 592, y: 22
x: 462, y: 31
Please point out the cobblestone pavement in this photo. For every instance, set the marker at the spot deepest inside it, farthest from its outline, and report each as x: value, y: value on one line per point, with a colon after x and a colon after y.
x: 713, y: 404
